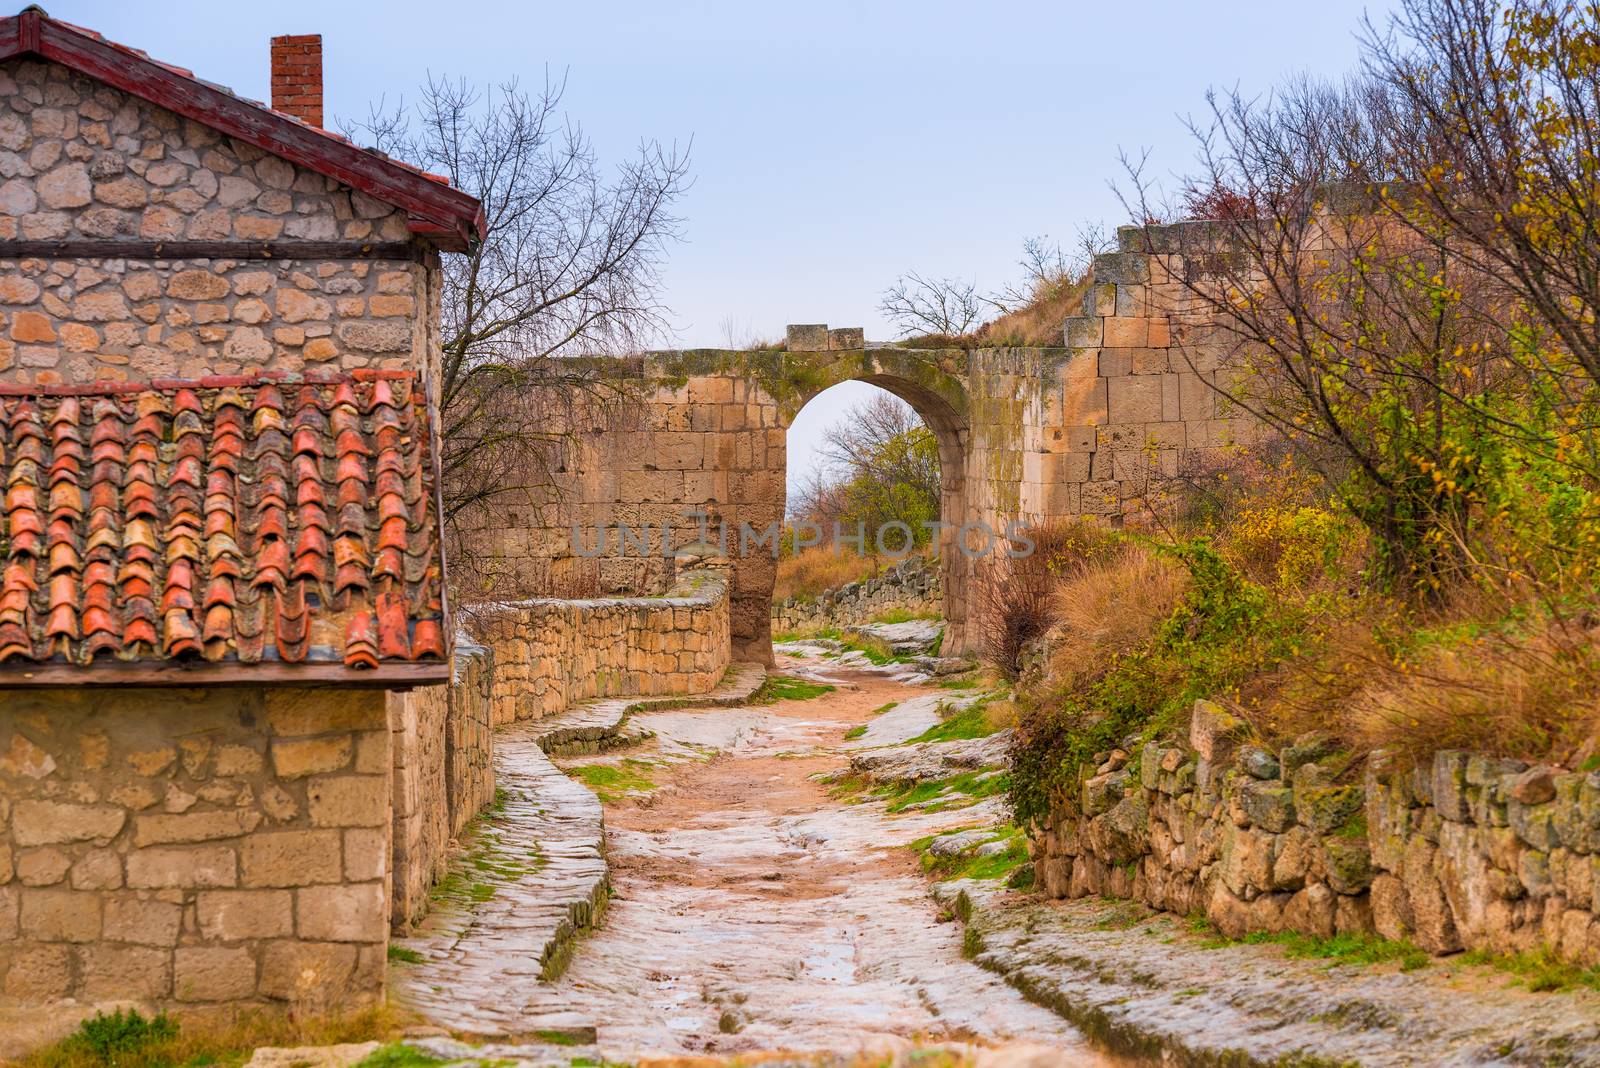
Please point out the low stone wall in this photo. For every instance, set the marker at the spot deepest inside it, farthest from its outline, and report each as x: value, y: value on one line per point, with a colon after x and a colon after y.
x: 913, y: 586
x: 552, y: 654
x: 192, y: 847
x: 443, y: 776
x: 1468, y: 852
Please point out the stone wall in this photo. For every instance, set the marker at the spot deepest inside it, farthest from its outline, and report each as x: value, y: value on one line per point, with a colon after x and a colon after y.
x: 443, y: 744
x: 1466, y: 852
x: 911, y: 587
x: 192, y: 847
x: 1096, y: 427
x: 552, y: 654
x: 81, y: 160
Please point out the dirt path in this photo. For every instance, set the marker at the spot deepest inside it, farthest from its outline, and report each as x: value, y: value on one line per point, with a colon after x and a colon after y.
x: 754, y: 911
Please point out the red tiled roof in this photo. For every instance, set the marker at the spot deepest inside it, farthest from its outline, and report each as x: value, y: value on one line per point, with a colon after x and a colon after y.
x: 265, y: 520
x: 439, y: 212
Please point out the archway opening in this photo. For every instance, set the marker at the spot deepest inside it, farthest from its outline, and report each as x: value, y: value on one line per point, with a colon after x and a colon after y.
x: 873, y: 477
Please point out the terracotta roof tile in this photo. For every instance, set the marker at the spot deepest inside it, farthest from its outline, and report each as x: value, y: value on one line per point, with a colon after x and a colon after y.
x: 232, y: 520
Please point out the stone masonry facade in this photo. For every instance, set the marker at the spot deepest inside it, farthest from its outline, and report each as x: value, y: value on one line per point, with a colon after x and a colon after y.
x: 82, y: 160
x: 194, y: 847
x: 1465, y: 852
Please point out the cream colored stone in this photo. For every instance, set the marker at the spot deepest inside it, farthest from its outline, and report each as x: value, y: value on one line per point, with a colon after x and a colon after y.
x: 342, y: 913
x: 290, y: 858
x: 348, y: 801
x: 192, y: 827
x: 235, y: 915
x: 297, y: 758
x: 60, y: 916
x: 200, y: 866
x: 213, y: 973
x: 54, y: 822
x: 142, y: 920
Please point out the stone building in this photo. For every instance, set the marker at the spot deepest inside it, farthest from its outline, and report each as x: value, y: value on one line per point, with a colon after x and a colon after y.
x: 220, y: 561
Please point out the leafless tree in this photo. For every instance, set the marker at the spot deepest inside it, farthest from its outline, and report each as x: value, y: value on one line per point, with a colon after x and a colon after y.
x: 1047, y: 266
x: 946, y: 307
x: 568, y: 266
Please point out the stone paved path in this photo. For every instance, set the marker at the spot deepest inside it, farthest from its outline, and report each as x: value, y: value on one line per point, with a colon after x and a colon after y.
x: 752, y: 911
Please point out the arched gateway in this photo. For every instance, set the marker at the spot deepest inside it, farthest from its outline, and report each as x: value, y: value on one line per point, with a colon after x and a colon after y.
x: 1025, y: 435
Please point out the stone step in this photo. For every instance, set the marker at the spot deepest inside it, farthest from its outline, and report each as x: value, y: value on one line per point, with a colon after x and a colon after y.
x: 597, y: 726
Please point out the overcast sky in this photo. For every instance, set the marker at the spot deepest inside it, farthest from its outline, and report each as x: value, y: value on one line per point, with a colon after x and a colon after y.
x: 836, y: 144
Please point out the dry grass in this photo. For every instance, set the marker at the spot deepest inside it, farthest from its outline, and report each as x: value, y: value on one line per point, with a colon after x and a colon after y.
x: 1014, y: 598
x: 1039, y: 322
x: 1531, y: 696
x: 1110, y: 607
x: 228, y: 1039
x: 812, y: 572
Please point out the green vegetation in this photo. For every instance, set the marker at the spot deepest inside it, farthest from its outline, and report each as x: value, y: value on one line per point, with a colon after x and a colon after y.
x: 397, y: 1055
x: 901, y: 615
x: 612, y: 782
x: 788, y: 688
x: 967, y: 865
x: 404, y: 955
x: 1540, y: 971
x: 127, y: 1039
x: 974, y: 721
x: 881, y: 709
x: 1341, y: 949
x: 487, y: 864
x: 855, y: 732
x: 934, y: 795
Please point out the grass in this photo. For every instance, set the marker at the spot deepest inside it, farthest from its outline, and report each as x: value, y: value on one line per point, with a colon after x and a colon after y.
x: 1341, y: 949
x: 855, y: 732
x: 404, y: 955
x: 967, y: 866
x: 1539, y: 971
x: 957, y: 791
x: 788, y: 688
x: 812, y: 572
x: 901, y: 615
x: 978, y: 720
x: 396, y: 1055
x: 612, y: 782
x: 487, y: 864
x: 103, y: 1041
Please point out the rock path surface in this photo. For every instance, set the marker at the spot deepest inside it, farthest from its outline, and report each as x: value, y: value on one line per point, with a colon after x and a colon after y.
x: 750, y: 909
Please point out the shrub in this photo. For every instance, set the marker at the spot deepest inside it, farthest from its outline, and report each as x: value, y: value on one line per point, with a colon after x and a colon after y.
x: 1107, y: 608
x: 1014, y: 603
x: 122, y: 1032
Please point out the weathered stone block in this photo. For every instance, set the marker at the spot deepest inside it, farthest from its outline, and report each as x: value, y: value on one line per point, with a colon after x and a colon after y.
x: 59, y: 916
x: 348, y: 801
x: 290, y: 858
x: 141, y: 919
x: 235, y: 915
x: 311, y: 972
x: 193, y: 827
x: 1214, y: 732
x: 295, y: 759
x: 207, y: 866
x: 116, y: 973
x: 55, y: 822
x: 213, y: 973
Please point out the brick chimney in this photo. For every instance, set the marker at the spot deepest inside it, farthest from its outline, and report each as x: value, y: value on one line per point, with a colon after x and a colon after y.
x: 297, y: 76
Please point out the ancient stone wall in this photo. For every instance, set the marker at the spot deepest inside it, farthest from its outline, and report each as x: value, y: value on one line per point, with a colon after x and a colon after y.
x: 186, y: 847
x: 1467, y: 852
x: 83, y: 161
x: 443, y: 744
x: 551, y: 654
x: 1025, y: 435
x: 910, y: 588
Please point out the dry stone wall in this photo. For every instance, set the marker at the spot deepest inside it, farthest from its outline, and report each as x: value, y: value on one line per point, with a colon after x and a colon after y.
x: 911, y: 587
x: 1466, y: 852
x: 189, y: 847
x: 552, y: 654
x: 80, y: 160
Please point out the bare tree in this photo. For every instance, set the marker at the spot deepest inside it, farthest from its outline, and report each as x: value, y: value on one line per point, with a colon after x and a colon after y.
x: 568, y: 265
x: 1048, y: 267
x: 947, y: 307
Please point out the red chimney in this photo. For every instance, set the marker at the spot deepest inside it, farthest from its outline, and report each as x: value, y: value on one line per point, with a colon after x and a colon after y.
x: 297, y: 76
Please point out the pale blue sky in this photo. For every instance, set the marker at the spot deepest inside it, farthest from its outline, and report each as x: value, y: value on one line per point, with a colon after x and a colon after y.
x: 836, y: 144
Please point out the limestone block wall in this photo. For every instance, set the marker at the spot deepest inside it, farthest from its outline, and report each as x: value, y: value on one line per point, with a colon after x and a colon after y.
x: 551, y: 654
x: 912, y: 587
x: 194, y: 847
x: 80, y: 160
x: 1466, y: 852
x: 443, y: 745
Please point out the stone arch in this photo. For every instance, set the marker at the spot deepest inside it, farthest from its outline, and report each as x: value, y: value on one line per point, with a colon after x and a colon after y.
x: 940, y: 403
